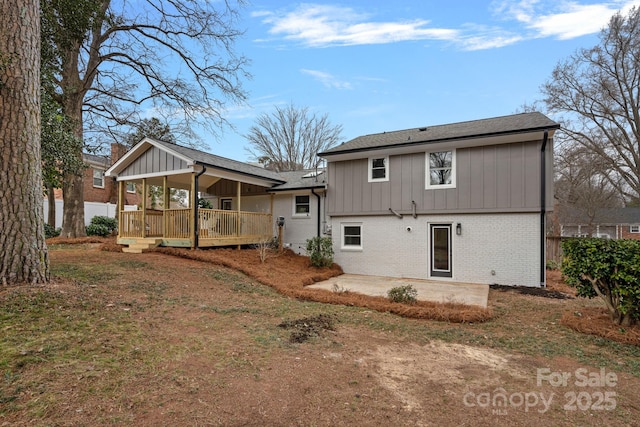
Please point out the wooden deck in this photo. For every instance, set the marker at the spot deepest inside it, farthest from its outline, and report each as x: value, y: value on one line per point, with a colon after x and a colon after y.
x: 215, y: 227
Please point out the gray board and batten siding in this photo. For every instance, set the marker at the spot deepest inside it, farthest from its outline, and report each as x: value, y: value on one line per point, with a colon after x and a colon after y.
x: 498, y: 178
x: 154, y: 160
x: 498, y: 167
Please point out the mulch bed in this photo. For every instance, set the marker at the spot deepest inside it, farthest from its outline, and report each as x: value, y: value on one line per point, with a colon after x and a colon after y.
x: 527, y: 290
x: 597, y: 321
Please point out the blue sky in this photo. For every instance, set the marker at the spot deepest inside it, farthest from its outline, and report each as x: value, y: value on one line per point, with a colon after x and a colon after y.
x: 376, y: 66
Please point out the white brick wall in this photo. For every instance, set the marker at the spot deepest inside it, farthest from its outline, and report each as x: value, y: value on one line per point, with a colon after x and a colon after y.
x: 297, y: 229
x: 493, y: 248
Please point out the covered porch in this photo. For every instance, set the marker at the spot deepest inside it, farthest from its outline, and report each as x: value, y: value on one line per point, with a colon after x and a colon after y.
x: 172, y: 180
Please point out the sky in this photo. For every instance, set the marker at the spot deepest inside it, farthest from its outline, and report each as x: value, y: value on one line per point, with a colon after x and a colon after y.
x: 378, y: 65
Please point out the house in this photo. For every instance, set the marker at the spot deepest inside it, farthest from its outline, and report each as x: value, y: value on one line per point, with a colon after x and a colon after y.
x: 608, y: 223
x: 246, y: 200
x: 100, y: 195
x: 459, y: 202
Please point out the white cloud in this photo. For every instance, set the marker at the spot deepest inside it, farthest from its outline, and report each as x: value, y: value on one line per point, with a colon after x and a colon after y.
x: 323, y: 25
x: 566, y: 20
x: 315, y: 25
x: 328, y: 80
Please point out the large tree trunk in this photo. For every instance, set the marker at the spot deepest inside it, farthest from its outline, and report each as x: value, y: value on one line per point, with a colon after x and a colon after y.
x: 73, y: 185
x: 23, y: 251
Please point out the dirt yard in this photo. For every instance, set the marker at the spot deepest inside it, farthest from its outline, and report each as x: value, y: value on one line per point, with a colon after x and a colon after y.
x: 156, y: 339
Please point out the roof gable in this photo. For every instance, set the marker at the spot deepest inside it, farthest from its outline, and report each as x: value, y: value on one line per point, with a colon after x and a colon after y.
x: 151, y: 156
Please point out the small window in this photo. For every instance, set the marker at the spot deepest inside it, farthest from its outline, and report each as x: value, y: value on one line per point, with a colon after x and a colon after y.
x: 634, y: 228
x: 98, y: 178
x: 301, y: 205
x: 225, y: 204
x: 131, y: 187
x: 352, y: 236
x: 441, y: 169
x: 379, y: 169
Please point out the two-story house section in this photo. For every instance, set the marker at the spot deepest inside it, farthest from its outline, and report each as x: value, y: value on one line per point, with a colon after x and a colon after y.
x: 463, y: 202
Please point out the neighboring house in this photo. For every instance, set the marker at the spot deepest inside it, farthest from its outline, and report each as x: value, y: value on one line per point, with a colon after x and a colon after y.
x: 100, y: 192
x: 247, y: 200
x: 608, y: 223
x: 462, y: 202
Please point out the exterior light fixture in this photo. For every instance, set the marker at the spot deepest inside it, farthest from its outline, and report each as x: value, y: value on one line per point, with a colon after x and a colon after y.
x: 459, y: 229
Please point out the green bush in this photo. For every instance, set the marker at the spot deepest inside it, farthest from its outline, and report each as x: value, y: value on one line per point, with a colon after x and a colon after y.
x: 606, y: 268
x: 320, y: 251
x: 406, y: 294
x: 51, y: 231
x: 110, y: 223
x: 97, y: 230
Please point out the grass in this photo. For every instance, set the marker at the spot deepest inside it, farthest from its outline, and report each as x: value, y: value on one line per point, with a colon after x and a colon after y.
x: 105, y: 328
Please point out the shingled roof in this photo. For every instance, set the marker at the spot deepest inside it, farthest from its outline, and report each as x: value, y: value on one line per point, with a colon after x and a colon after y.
x: 517, y: 123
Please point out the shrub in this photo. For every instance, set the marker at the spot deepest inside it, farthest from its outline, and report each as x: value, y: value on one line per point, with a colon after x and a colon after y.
x: 110, y: 223
x: 51, y: 231
x: 406, y: 294
x: 552, y: 264
x: 609, y: 269
x: 320, y: 251
x: 97, y: 230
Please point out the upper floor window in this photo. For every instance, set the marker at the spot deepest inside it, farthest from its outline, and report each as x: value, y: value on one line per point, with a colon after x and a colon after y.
x: 131, y: 187
x: 441, y: 169
x: 378, y: 169
x: 98, y: 178
x: 302, y: 206
x: 634, y: 228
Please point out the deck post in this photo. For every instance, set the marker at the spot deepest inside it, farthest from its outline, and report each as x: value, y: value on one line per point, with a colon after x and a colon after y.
x: 144, y: 207
x: 193, y: 200
x: 166, y: 204
x: 239, y: 195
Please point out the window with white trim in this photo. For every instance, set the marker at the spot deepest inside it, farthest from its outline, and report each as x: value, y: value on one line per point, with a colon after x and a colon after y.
x: 441, y: 169
x: 98, y: 178
x: 634, y: 228
x: 131, y: 187
x: 301, y: 205
x: 351, y: 236
x: 225, y: 204
x: 378, y: 169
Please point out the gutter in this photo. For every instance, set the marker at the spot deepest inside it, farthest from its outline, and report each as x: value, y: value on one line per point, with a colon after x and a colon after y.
x: 318, y: 220
x: 543, y: 211
x: 196, y: 237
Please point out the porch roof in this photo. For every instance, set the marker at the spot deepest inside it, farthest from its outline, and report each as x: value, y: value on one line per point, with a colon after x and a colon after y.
x: 153, y: 159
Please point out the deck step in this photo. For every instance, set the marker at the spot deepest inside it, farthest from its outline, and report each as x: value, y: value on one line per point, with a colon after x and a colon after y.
x: 142, y: 245
x: 131, y: 251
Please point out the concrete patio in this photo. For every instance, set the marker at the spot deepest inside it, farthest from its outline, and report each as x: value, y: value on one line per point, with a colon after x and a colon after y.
x: 428, y: 290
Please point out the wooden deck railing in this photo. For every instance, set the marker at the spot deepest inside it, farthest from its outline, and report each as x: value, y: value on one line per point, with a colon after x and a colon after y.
x: 215, y: 223
x: 177, y: 223
x: 212, y: 223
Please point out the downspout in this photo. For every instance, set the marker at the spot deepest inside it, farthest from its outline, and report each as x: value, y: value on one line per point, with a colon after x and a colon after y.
x: 196, y: 234
x: 543, y: 211
x: 318, y: 220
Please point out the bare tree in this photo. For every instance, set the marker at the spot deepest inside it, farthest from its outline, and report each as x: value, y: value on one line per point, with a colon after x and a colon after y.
x: 23, y: 251
x: 598, y: 89
x: 291, y: 137
x: 118, y: 58
x: 582, y: 186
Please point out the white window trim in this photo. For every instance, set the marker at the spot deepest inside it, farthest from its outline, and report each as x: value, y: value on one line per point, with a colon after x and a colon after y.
x: 634, y: 228
x: 344, y: 247
x: 294, y: 214
x: 134, y: 187
x: 427, y: 178
x: 93, y: 178
x: 370, y: 169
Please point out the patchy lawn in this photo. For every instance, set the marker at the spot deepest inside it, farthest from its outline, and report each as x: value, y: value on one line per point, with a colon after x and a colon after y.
x: 155, y: 339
